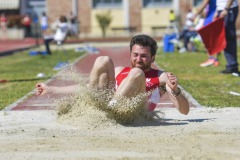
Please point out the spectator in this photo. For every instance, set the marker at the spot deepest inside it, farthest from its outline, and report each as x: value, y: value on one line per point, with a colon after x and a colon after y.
x: 192, y: 37
x: 189, y: 23
x: 26, y: 21
x: 44, y: 23
x: 228, y: 9
x: 210, y: 6
x: 188, y: 31
x: 73, y: 25
x: 3, y: 25
x: 35, y: 26
x: 172, y: 17
x: 59, y: 36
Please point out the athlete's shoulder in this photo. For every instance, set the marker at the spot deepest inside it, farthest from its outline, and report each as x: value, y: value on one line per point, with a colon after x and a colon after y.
x: 160, y: 72
x: 162, y: 76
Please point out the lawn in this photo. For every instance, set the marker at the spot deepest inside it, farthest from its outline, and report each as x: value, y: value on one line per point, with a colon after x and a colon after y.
x: 23, y: 66
x: 206, y: 85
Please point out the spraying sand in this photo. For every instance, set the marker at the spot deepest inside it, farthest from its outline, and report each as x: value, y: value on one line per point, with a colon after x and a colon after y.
x: 84, y: 131
x: 95, y: 103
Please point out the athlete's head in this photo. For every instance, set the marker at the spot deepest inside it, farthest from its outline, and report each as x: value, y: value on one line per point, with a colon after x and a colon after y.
x: 143, y: 50
x: 145, y: 41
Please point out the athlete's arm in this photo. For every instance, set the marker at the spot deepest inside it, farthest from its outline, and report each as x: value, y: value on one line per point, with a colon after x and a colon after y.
x: 179, y: 101
x: 42, y: 89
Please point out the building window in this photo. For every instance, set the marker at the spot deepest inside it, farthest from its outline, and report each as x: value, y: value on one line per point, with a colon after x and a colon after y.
x: 157, y: 3
x: 9, y: 5
x: 107, y: 3
x: 197, y: 2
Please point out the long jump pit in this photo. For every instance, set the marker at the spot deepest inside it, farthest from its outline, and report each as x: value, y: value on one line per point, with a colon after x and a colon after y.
x: 72, y: 127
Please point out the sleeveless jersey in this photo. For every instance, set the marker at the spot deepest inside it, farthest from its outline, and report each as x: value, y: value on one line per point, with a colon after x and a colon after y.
x: 152, y: 84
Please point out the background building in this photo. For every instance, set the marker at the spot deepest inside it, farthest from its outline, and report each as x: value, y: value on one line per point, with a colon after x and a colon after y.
x: 142, y: 15
x: 9, y: 6
x: 34, y: 8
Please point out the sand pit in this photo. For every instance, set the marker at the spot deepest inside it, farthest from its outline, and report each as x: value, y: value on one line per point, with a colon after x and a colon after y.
x: 205, y: 133
x: 87, y: 132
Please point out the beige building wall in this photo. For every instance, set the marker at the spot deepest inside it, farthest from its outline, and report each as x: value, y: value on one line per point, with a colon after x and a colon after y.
x: 84, y: 16
x: 55, y: 8
x: 153, y: 17
x: 141, y: 18
x: 135, y: 14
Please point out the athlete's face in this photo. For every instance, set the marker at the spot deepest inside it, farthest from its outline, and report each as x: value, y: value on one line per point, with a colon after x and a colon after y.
x: 141, y: 57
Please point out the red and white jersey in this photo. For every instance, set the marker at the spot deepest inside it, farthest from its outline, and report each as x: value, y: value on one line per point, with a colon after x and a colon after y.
x: 152, y: 84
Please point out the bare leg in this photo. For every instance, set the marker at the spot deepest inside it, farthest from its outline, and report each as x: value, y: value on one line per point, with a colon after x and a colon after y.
x: 133, y: 84
x: 102, y: 74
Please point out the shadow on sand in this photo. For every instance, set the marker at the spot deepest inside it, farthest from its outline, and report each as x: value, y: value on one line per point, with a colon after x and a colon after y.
x: 165, y: 122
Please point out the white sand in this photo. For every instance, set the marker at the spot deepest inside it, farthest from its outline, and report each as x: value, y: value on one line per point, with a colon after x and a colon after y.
x: 87, y: 133
x: 205, y: 133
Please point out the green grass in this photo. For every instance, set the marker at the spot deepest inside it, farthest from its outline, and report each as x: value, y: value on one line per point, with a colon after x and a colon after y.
x: 23, y: 66
x: 205, y: 84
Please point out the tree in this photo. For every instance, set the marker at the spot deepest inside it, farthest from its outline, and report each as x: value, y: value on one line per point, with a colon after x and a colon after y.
x: 104, y: 20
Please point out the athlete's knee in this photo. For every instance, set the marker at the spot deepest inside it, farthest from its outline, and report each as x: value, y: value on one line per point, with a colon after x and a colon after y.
x: 103, y: 64
x: 137, y: 73
x: 103, y: 60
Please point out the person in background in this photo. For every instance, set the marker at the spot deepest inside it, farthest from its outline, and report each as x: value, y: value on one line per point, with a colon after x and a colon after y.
x: 26, y: 21
x: 3, y: 25
x: 59, y: 36
x: 74, y: 25
x: 192, y: 37
x: 187, y: 31
x: 228, y: 9
x: 172, y: 17
x: 190, y: 32
x: 44, y: 22
x: 210, y: 6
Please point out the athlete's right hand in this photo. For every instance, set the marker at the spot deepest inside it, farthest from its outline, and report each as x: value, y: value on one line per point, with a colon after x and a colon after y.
x: 41, y: 88
x: 172, y: 81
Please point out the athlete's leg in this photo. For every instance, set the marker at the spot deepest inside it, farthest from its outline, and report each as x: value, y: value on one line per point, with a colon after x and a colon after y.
x: 102, y: 74
x: 133, y: 84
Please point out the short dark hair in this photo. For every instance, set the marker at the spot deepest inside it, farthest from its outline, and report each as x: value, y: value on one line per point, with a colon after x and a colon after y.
x: 63, y: 19
x: 144, y: 40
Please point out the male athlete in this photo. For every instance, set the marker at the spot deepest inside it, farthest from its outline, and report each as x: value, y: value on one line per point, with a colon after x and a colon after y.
x: 130, y: 81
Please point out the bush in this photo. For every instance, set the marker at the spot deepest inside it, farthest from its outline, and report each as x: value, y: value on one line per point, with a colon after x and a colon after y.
x: 104, y: 20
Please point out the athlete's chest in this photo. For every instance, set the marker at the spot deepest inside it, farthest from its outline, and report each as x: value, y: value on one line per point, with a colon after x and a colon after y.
x: 151, y: 78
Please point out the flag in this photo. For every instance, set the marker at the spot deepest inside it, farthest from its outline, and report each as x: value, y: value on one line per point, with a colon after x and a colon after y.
x: 213, y: 36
